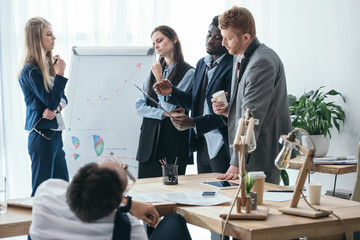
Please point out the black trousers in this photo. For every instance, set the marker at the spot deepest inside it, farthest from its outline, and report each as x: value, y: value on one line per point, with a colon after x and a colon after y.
x: 171, y: 227
x: 47, y: 157
x: 220, y: 163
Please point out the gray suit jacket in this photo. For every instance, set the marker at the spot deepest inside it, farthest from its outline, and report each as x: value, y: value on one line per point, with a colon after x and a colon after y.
x: 262, y: 89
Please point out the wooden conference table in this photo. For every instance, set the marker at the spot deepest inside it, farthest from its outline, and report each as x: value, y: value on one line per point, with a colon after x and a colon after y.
x: 276, y: 226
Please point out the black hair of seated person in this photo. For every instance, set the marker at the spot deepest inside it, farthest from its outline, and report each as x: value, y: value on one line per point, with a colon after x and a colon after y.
x: 94, y: 192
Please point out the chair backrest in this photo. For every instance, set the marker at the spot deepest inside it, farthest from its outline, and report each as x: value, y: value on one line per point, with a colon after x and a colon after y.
x: 356, y: 193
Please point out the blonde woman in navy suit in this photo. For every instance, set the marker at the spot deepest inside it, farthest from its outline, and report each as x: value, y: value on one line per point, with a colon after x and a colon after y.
x: 42, y: 81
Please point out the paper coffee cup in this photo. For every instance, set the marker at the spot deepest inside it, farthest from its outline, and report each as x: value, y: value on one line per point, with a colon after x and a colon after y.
x: 314, y: 192
x: 220, y: 97
x: 258, y: 186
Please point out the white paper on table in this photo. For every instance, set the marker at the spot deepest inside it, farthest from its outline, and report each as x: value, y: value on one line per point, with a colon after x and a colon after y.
x: 187, y: 198
x: 279, y: 196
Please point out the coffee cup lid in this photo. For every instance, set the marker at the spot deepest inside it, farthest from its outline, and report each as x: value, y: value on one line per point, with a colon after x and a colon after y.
x: 258, y: 174
x: 218, y: 93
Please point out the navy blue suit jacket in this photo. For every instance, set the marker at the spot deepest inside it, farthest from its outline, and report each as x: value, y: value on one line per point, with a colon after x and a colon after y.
x: 37, y: 99
x: 221, y: 80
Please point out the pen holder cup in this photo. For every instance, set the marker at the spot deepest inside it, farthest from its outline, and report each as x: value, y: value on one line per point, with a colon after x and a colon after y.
x: 170, y: 174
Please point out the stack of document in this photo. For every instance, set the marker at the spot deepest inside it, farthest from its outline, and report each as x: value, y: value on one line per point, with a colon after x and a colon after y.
x: 341, y: 193
x: 187, y: 198
x: 335, y: 160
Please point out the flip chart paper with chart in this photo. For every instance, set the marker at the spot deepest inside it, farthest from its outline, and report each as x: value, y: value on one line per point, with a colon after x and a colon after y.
x: 100, y: 117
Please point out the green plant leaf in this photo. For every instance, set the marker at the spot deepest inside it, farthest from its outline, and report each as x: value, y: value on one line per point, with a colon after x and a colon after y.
x: 249, y: 182
x: 284, y: 177
x: 314, y: 113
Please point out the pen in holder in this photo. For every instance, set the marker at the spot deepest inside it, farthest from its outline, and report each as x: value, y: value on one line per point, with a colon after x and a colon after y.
x: 169, y: 173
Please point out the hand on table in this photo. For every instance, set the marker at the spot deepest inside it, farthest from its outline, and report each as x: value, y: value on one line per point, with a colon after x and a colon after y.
x: 231, y: 174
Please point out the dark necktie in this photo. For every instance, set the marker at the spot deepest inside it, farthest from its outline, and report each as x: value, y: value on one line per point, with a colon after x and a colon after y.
x: 122, y: 226
x: 235, y: 83
x: 203, y: 92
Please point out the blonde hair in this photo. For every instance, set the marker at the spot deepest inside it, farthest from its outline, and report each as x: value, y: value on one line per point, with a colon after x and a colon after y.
x: 34, y: 51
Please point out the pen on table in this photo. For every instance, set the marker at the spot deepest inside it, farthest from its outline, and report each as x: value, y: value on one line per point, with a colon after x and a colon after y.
x: 280, y: 190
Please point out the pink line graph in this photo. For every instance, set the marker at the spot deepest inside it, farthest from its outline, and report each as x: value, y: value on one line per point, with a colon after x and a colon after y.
x: 92, y: 105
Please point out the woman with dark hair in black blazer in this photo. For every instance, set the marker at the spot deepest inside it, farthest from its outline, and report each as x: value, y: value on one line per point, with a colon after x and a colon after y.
x: 159, y: 139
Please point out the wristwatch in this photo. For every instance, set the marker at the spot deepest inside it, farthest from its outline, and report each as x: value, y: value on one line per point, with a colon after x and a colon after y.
x: 127, y: 207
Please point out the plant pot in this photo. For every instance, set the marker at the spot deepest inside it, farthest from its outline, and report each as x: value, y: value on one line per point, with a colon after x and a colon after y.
x: 321, y: 144
x: 253, y: 200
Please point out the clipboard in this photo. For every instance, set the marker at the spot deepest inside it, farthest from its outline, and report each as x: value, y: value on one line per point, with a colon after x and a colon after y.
x: 153, y: 100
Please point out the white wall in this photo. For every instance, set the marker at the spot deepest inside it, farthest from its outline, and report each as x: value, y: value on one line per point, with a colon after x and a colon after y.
x: 319, y: 44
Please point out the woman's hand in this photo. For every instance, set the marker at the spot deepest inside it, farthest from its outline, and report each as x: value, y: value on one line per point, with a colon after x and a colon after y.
x: 157, y: 71
x: 59, y: 66
x: 49, y: 114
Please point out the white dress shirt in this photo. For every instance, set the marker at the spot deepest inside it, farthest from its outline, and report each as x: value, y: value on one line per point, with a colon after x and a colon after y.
x: 53, y: 219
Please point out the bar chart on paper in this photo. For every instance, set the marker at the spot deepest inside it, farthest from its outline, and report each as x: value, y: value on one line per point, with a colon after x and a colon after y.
x: 100, y: 117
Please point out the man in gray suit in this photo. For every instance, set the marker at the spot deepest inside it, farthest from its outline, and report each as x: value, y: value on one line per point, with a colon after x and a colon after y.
x: 258, y: 83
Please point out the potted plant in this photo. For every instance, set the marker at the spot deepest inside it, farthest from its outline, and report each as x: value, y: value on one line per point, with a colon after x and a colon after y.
x: 249, y: 182
x: 314, y: 113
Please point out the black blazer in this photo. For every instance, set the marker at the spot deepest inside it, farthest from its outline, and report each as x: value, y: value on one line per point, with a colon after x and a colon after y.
x: 221, y: 80
x: 159, y: 138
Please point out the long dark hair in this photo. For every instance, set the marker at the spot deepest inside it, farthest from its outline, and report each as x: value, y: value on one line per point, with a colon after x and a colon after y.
x: 178, y: 55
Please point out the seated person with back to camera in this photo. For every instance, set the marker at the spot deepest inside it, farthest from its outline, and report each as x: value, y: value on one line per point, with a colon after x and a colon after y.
x: 92, y: 206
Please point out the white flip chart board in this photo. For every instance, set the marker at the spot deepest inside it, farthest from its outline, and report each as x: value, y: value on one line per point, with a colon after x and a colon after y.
x: 100, y: 117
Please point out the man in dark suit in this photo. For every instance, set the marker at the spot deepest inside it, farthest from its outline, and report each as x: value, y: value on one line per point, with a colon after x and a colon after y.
x: 209, y: 132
